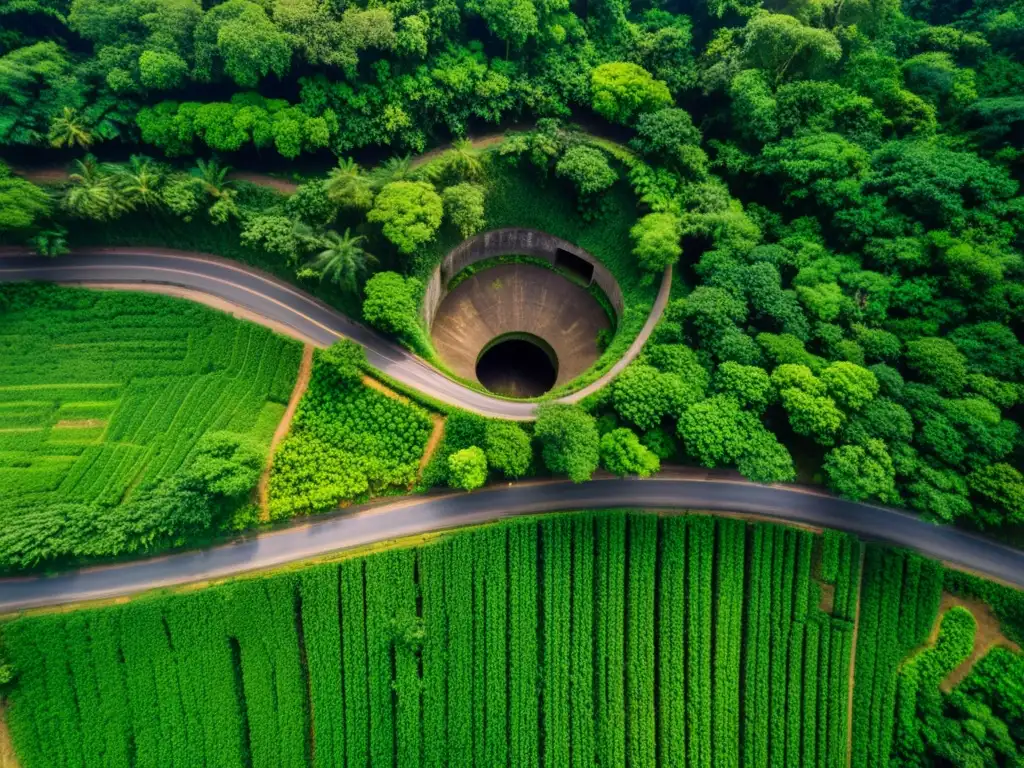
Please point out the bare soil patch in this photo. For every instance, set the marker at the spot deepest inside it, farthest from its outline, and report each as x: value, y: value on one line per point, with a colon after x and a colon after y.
x: 828, y: 596
x: 301, y: 383
x: 264, y: 180
x: 385, y: 390
x: 435, y: 440
x: 80, y: 423
x: 7, y: 756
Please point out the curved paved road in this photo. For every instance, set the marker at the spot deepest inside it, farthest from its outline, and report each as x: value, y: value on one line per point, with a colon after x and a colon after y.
x: 276, y: 302
x: 406, y: 517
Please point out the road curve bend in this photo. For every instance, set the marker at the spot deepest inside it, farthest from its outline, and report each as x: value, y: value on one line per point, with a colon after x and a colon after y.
x: 274, y: 302
x: 418, y: 515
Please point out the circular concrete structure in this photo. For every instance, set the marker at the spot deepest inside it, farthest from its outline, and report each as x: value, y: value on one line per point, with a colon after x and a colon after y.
x: 513, y: 302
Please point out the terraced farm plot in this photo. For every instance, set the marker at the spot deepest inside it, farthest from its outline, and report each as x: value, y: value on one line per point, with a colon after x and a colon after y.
x: 579, y: 639
x: 104, y: 395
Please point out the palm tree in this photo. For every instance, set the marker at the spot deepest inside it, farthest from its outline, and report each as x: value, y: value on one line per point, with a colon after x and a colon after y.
x: 91, y: 193
x: 342, y: 259
x: 140, y: 182
x: 392, y: 169
x: 463, y: 160
x: 347, y: 185
x: 214, y: 178
x: 67, y: 130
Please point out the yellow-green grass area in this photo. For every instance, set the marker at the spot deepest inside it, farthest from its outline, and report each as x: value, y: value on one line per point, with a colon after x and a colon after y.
x: 105, y: 394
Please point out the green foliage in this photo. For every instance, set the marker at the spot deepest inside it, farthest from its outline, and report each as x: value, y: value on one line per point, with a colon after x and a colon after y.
x: 22, y: 203
x: 656, y: 238
x: 939, y: 362
x: 861, y: 472
x: 621, y: 90
x: 669, y: 136
x: 719, y: 431
x: 391, y: 303
x: 569, y: 440
x: 347, y: 359
x: 623, y: 454
x: 812, y: 415
x: 508, y: 448
x: 749, y: 384
x: 146, y: 445
x: 226, y: 464
x: 338, y: 258
x: 672, y: 634
x: 409, y: 213
x: 464, y: 207
x: 347, y: 441
x: 851, y: 386
x: 467, y: 469
x: 587, y: 169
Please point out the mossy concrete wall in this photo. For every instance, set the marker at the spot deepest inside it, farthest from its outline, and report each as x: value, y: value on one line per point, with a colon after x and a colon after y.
x: 506, y: 242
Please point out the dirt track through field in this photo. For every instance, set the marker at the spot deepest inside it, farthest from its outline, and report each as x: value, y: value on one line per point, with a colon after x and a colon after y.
x: 853, y: 660
x: 988, y: 635
x: 301, y: 383
x: 7, y: 756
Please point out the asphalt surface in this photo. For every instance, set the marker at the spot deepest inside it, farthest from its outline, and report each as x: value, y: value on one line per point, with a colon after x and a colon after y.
x: 278, y: 302
x: 376, y: 523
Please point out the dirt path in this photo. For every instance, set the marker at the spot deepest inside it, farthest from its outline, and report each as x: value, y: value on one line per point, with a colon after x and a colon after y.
x: 285, y: 186
x: 988, y: 635
x: 853, y: 660
x: 385, y: 390
x: 301, y: 382
x: 58, y: 174
x: 7, y: 757
x: 479, y: 143
x: 435, y: 440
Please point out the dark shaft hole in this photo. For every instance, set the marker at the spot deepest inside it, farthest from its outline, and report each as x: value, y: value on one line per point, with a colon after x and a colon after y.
x: 516, y: 368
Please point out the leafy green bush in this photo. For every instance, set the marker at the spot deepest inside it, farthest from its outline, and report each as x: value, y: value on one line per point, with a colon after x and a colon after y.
x: 346, y: 441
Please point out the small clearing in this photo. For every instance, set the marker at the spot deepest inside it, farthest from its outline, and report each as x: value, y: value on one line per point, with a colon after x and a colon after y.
x: 828, y: 596
x: 301, y: 383
x: 988, y: 635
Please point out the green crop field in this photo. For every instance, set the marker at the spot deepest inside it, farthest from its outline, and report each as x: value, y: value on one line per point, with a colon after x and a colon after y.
x: 584, y: 639
x: 104, y: 396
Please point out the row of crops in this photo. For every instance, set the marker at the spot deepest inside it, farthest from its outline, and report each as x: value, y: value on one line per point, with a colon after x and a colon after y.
x: 583, y: 639
x: 105, y: 396
x: 900, y: 600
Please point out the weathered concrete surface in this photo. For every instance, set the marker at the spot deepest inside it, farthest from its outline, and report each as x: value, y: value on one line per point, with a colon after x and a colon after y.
x: 519, y: 298
x: 505, y: 242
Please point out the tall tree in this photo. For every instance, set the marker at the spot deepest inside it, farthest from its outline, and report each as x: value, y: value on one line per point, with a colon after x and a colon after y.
x: 341, y: 259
